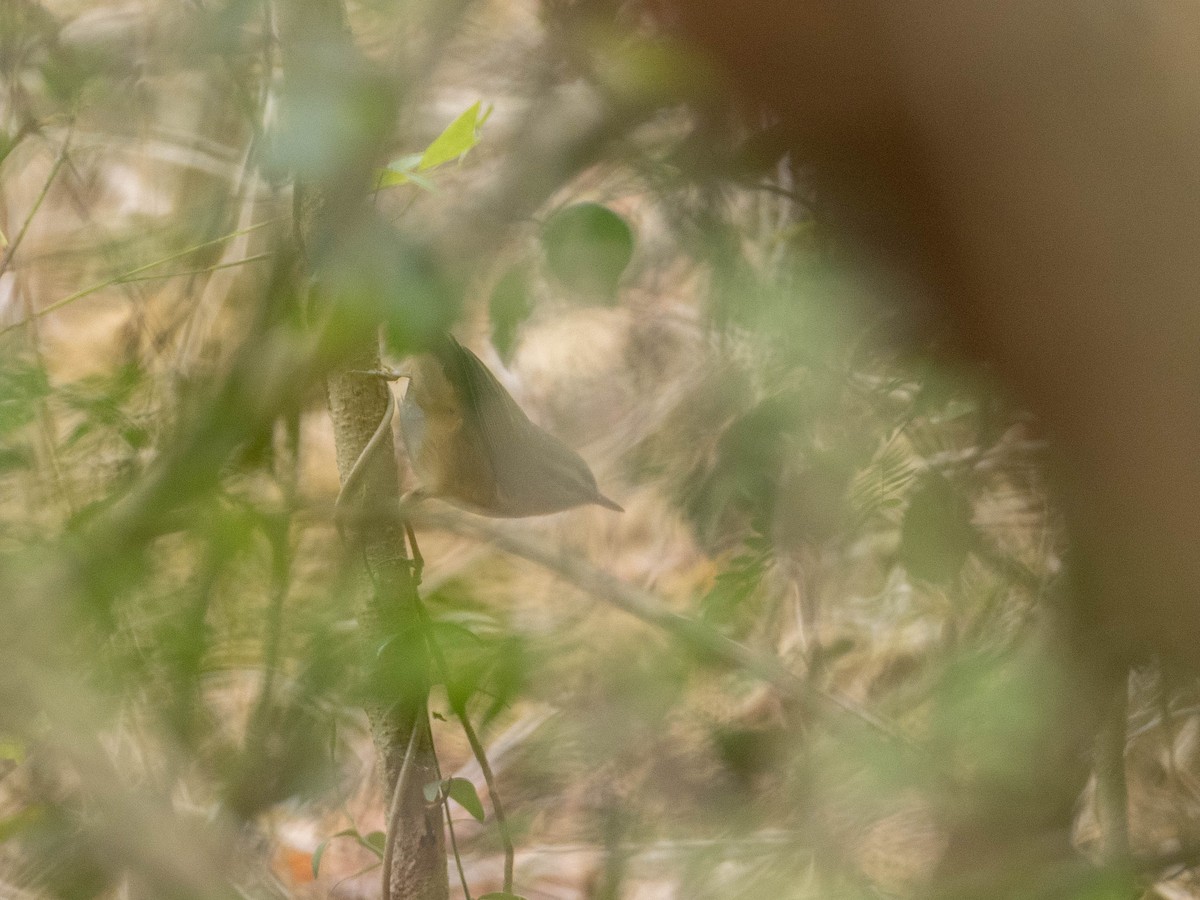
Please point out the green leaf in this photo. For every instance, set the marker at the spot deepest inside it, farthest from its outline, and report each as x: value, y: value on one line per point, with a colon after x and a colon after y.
x: 500, y: 895
x: 374, y: 842
x: 588, y: 247
x: 654, y: 72
x: 316, y: 858
x: 15, y: 459
x: 459, y: 137
x: 20, y: 390
x: 386, y: 178
x: 508, y: 309
x: 403, y: 171
x: 321, y: 848
x: 377, y: 273
x: 333, y: 110
x: 937, y: 533
x: 455, y: 633
x: 21, y: 821
x: 405, y: 164
x: 462, y: 792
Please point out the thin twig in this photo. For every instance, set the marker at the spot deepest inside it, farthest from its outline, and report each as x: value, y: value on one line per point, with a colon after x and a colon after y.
x: 187, y: 273
x: 20, y: 236
x: 694, y: 633
x: 437, y: 767
x: 490, y: 779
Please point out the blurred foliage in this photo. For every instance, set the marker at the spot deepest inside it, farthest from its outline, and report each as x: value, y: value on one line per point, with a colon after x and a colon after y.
x: 182, y: 663
x: 588, y: 247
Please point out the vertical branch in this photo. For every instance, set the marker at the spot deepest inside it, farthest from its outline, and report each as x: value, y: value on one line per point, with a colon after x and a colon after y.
x: 322, y: 66
x: 391, y: 627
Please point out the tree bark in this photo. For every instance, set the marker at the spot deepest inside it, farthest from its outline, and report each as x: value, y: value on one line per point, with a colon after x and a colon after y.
x: 321, y: 64
x: 391, y: 639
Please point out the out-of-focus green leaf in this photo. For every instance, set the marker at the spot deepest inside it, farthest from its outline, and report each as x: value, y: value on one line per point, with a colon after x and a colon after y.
x: 449, y: 632
x: 403, y: 171
x: 642, y: 71
x: 11, y: 458
x: 104, y: 402
x: 588, y: 247
x: 1109, y: 885
x: 752, y: 453
x: 459, y: 137
x: 406, y: 163
x: 374, y: 274
x: 376, y: 841
x: 510, y: 671
x: 508, y: 309
x: 21, y: 821
x: 733, y: 588
x: 20, y: 390
x: 500, y: 895
x: 484, y: 658
x: 937, y: 533
x: 336, y: 108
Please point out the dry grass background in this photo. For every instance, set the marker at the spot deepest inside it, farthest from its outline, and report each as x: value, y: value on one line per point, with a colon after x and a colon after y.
x: 617, y: 755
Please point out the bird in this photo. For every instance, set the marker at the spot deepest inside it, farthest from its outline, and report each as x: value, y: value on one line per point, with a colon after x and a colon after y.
x: 472, y: 445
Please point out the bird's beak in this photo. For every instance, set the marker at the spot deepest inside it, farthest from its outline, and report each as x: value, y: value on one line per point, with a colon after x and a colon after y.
x: 601, y: 500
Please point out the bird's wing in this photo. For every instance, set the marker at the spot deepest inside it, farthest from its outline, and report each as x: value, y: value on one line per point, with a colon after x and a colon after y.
x: 534, y: 471
x: 502, y: 423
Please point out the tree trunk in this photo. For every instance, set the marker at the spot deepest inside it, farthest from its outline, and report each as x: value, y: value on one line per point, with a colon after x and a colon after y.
x: 399, y: 680
x: 321, y: 65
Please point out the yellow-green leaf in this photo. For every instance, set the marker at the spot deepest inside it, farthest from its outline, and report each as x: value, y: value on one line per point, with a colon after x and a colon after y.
x: 460, y: 136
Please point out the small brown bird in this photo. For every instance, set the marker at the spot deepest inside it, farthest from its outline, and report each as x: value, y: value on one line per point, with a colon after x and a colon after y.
x: 471, y: 444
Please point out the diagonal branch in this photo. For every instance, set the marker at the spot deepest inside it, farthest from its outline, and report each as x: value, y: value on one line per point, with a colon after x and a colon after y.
x: 696, y: 635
